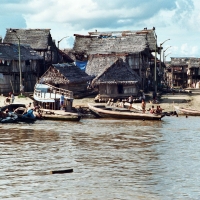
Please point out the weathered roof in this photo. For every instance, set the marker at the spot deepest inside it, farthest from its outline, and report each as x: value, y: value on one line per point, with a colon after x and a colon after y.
x: 194, y: 63
x: 149, y: 33
x: 38, y: 39
x: 11, y: 52
x: 69, y: 52
x: 185, y: 61
x: 97, y: 64
x: 118, y: 73
x: 115, y: 42
x: 65, y: 73
x: 66, y: 57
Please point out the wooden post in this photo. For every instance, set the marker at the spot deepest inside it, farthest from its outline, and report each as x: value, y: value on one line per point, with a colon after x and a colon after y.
x: 61, y: 171
x: 12, y: 87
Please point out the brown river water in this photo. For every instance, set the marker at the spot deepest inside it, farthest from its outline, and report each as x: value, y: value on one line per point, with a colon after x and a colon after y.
x: 111, y: 159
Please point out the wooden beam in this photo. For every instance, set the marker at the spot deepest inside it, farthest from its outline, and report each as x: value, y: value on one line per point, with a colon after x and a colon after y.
x: 61, y: 171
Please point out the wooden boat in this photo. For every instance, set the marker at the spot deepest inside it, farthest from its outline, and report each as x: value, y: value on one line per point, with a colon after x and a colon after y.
x: 12, y: 107
x: 14, y: 117
x: 187, y: 111
x: 101, y: 110
x: 48, y: 98
x: 10, y: 118
x: 46, y: 114
x: 59, y: 115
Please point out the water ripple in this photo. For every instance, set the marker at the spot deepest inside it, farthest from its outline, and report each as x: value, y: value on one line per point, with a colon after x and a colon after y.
x: 112, y: 159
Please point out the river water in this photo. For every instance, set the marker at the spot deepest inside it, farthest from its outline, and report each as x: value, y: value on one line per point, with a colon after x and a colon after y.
x: 111, y: 159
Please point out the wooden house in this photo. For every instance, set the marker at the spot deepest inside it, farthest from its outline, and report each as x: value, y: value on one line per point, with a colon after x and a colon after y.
x: 41, y: 41
x: 118, y: 80
x: 66, y: 76
x: 179, y: 68
x: 193, y: 73
x: 183, y: 72
x: 31, y: 64
x: 100, y: 49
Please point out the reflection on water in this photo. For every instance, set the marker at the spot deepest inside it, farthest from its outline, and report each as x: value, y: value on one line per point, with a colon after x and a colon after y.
x: 111, y: 159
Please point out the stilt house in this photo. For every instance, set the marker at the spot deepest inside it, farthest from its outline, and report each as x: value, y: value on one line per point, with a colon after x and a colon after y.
x: 117, y: 80
x: 41, y: 41
x: 10, y: 71
x: 179, y: 69
x: 102, y: 49
x: 67, y: 76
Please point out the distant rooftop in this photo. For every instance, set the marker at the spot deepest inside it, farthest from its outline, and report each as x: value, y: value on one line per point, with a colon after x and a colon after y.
x: 38, y: 39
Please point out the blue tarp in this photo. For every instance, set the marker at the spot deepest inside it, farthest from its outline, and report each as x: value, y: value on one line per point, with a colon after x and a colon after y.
x: 81, y: 64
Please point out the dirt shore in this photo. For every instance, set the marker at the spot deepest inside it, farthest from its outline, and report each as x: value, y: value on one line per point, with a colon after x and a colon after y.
x: 166, y: 101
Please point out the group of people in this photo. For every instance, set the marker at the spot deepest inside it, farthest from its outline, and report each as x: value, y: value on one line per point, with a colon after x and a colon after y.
x: 142, y: 98
x: 30, y: 111
x: 157, y: 110
x: 130, y: 99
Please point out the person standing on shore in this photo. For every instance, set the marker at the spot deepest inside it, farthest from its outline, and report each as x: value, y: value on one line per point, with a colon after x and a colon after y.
x: 62, y: 98
x: 143, y: 105
x: 12, y: 98
x: 130, y: 101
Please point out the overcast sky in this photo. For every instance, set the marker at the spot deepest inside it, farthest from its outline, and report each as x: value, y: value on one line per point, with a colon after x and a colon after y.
x: 177, y: 20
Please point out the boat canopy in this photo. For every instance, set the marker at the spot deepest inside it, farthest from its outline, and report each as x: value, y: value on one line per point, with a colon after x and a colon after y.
x: 42, y: 87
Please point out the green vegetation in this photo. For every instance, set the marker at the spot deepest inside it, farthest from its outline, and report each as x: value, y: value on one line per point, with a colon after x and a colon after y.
x: 21, y: 96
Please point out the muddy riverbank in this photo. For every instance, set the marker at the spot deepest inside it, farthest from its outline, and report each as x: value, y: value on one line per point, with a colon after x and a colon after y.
x: 165, y: 100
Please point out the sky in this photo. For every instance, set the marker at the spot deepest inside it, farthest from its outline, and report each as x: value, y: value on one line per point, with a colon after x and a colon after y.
x: 177, y: 22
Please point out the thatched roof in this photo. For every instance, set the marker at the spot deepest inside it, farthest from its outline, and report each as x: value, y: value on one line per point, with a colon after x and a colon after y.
x: 111, y: 45
x: 185, y: 61
x: 118, y: 73
x: 97, y: 64
x: 129, y: 42
x: 69, y: 52
x: 65, y: 56
x: 38, y: 39
x: 149, y: 33
x: 194, y: 63
x: 64, y: 73
x: 10, y: 52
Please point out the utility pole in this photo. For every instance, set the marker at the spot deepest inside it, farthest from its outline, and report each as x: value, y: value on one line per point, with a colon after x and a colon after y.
x: 61, y: 40
x: 155, y: 67
x: 21, y: 87
x: 161, y: 52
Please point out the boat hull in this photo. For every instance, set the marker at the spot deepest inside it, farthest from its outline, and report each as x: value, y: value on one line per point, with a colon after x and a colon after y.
x: 59, y: 115
x: 102, y: 111
x: 61, y: 118
x: 187, y: 111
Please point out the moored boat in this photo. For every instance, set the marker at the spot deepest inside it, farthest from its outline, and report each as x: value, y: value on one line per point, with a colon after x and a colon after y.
x: 47, y: 97
x: 9, y: 116
x: 101, y: 110
x: 59, y: 115
x: 187, y: 111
